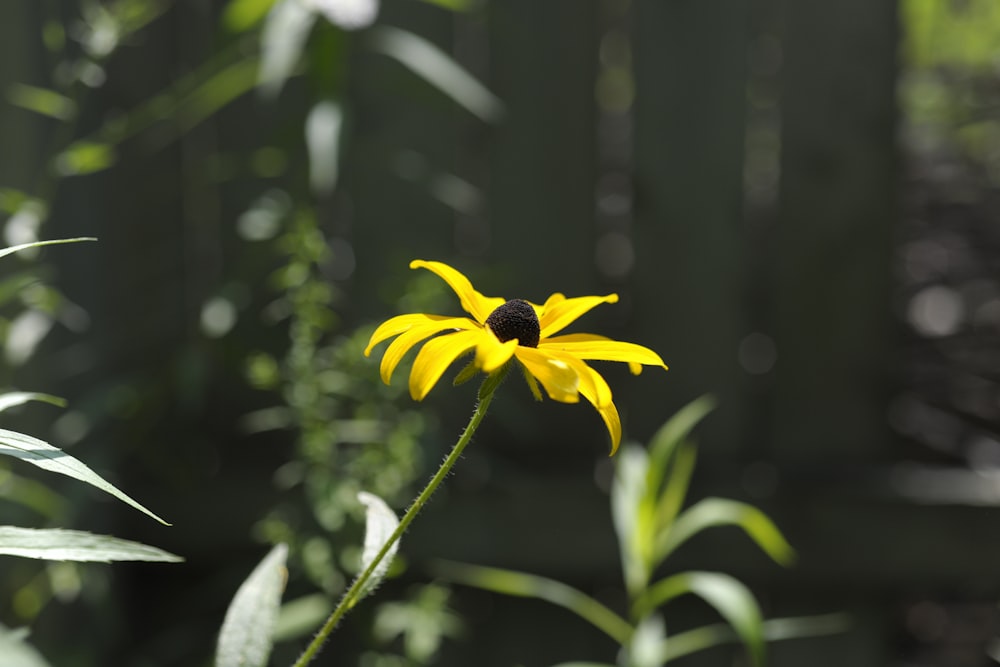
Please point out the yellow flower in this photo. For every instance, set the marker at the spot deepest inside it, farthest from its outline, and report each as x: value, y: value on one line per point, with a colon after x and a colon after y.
x: 503, y: 329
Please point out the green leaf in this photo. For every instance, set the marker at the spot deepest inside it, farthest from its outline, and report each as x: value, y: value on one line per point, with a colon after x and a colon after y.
x: 777, y: 629
x: 14, y: 398
x: 241, y: 15
x: 725, y: 594
x: 645, y: 647
x: 672, y: 433
x: 440, y: 70
x: 245, y: 639
x: 42, y: 101
x: 712, y: 512
x: 37, y: 244
x: 520, y: 584
x: 380, y: 523
x: 75, y: 545
x: 669, y: 504
x: 85, y: 157
x: 53, y: 459
x: 16, y: 651
x: 627, y: 493
x: 283, y: 39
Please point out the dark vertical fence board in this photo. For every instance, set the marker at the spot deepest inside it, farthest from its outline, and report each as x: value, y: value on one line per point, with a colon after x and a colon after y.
x: 689, y: 124
x: 837, y: 208
x: 402, y: 134
x: 543, y: 63
x: 19, y: 129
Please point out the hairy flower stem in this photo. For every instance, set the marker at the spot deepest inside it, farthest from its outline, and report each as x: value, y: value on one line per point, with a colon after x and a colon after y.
x: 351, y: 597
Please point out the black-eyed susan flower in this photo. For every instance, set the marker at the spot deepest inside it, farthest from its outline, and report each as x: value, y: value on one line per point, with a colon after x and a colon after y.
x: 501, y: 330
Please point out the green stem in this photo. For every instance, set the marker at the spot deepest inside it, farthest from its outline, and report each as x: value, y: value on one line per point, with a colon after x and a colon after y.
x: 351, y: 597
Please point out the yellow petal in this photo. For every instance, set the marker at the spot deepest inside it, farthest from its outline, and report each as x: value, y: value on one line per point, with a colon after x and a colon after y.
x: 551, y: 301
x: 473, y: 302
x: 560, y: 379
x: 561, y: 313
x: 397, y: 325
x: 589, y: 346
x: 398, y: 348
x: 491, y: 354
x: 609, y: 413
x: 605, y: 408
x: 591, y: 382
x: 435, y: 357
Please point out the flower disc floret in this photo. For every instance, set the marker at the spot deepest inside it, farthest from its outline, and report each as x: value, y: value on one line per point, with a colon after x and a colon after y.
x: 515, y: 319
x: 500, y: 331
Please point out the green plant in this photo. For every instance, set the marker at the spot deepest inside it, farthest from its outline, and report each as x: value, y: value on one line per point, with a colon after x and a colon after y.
x: 57, y: 544
x: 647, y: 500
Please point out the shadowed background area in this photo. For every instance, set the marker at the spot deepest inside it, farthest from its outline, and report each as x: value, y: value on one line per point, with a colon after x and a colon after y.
x: 796, y: 201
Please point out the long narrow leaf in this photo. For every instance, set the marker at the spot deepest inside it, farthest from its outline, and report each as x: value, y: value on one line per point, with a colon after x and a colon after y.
x: 53, y: 459
x: 75, y: 545
x: 440, y: 70
x: 247, y: 632
x: 16, y: 651
x: 628, y: 491
x: 14, y: 398
x: 672, y: 433
x: 712, y: 512
x: 777, y: 629
x: 520, y: 584
x: 671, y: 499
x: 37, y: 244
x: 727, y: 595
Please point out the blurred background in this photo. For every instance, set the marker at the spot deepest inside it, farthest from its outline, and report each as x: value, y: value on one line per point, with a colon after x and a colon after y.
x: 797, y: 201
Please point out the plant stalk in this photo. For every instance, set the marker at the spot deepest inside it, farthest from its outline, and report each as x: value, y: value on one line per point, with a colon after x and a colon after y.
x: 350, y: 598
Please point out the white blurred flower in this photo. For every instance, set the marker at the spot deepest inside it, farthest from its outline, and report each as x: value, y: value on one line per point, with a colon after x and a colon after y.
x: 348, y: 14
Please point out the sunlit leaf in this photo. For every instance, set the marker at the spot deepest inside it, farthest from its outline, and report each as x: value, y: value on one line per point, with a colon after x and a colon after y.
x: 247, y: 632
x: 347, y: 14
x: 16, y: 651
x: 241, y: 15
x: 38, y: 244
x: 283, y: 39
x: 380, y: 523
x: 627, y: 492
x: 777, y: 629
x: 645, y: 647
x: 440, y: 70
x: 53, y: 459
x: 520, y: 584
x: 42, y: 101
x: 727, y: 595
x: 323, y: 127
x: 85, y: 157
x: 14, y: 398
x: 75, y: 545
x: 712, y: 512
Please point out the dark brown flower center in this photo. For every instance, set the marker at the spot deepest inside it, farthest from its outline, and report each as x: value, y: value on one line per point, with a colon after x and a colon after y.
x: 515, y: 319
